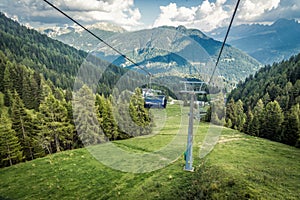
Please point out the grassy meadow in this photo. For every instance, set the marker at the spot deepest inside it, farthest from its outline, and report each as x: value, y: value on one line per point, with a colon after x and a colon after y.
x: 239, y: 167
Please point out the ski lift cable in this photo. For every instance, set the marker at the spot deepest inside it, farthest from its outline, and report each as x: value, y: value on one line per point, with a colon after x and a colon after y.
x: 97, y: 37
x: 224, y: 42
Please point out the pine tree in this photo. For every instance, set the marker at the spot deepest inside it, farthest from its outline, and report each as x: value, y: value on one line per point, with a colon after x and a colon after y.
x: 59, y: 94
x: 55, y: 125
x: 126, y: 126
x: 85, y: 117
x: 215, y: 119
x: 3, y: 61
x: 207, y: 117
x: 235, y: 113
x: 7, y: 85
x: 111, y: 117
x: 230, y: 113
x: 106, y: 118
x: 10, y: 148
x: 74, y: 141
x: 68, y: 95
x: 37, y: 84
x: 1, y: 103
x: 228, y: 123
x: 266, y: 98
x: 272, y: 121
x: 22, y: 124
x: 240, y: 115
x: 46, y: 89
x: 248, y: 123
x: 17, y: 73
x: 258, y: 117
x: 291, y: 133
x: 139, y: 114
x: 29, y: 92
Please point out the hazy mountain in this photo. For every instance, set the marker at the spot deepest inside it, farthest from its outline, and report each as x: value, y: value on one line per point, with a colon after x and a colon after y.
x: 162, y: 50
x: 178, y: 51
x: 77, y: 37
x: 266, y: 43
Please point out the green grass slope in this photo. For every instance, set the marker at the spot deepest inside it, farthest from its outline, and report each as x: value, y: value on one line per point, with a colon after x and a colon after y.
x: 239, y: 167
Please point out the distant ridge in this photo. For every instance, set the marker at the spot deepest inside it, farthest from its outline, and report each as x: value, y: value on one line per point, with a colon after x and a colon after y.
x: 185, y: 51
x: 266, y: 43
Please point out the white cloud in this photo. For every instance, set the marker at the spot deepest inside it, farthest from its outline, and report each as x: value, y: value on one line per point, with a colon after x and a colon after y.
x: 289, y: 9
x: 120, y: 12
x: 212, y: 14
x: 251, y: 10
x: 206, y: 16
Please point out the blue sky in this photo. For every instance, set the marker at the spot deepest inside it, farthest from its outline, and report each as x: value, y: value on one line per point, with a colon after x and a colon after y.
x: 150, y: 9
x: 205, y: 15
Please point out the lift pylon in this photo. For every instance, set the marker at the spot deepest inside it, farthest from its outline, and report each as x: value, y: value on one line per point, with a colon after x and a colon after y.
x: 192, y: 88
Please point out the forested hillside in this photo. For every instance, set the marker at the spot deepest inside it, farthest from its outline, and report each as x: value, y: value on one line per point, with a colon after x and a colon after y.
x: 267, y: 104
x: 53, y: 59
x: 178, y: 51
x: 36, y: 90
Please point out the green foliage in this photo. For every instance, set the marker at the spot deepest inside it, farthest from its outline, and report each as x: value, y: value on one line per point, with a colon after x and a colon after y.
x: 7, y: 85
x: 36, y: 79
x: 271, y: 127
x: 23, y: 126
x: 26, y: 83
x: 248, y: 126
x: 258, y: 119
x: 241, y: 117
x: 230, y: 113
x: 106, y: 118
x: 10, y: 148
x: 126, y: 126
x: 55, y: 127
x: 278, y: 88
x: 216, y: 113
x: 236, y: 115
x: 1, y: 103
x: 86, y: 118
x: 3, y: 61
x: 207, y: 117
x: 54, y: 59
x: 291, y: 133
x: 139, y: 114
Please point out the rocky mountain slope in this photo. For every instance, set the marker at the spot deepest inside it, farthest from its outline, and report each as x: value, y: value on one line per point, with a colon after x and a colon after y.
x: 164, y: 50
x: 266, y: 43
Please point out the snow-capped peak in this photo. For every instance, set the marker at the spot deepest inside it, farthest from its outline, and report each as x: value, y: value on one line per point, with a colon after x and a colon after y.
x: 60, y: 30
x: 107, y: 27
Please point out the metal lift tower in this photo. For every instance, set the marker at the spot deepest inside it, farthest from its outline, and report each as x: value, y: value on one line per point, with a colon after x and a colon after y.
x: 192, y: 88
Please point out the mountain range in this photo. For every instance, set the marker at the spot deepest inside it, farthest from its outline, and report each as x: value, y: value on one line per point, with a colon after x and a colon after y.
x: 70, y: 34
x: 172, y: 50
x: 266, y: 43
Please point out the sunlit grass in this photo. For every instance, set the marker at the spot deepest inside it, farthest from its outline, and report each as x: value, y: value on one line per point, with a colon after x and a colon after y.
x: 239, y: 167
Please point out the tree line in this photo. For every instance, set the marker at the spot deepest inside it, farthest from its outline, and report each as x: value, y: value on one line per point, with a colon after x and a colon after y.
x: 266, y: 121
x: 55, y: 60
x: 265, y: 104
